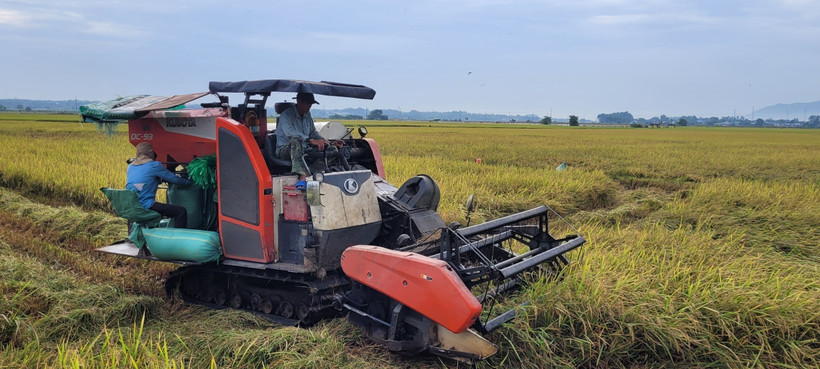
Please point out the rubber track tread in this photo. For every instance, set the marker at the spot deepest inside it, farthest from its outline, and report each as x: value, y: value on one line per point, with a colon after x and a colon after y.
x: 286, y: 283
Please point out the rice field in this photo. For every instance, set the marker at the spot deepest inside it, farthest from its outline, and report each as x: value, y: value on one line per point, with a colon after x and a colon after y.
x: 702, y: 252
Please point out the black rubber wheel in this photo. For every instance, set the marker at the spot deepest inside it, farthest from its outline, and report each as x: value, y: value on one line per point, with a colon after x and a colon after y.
x: 265, y: 306
x: 219, y: 296
x: 236, y: 301
x: 285, y: 310
x: 302, y: 312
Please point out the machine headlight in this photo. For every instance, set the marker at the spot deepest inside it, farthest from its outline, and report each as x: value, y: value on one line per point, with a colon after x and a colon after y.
x: 314, y: 196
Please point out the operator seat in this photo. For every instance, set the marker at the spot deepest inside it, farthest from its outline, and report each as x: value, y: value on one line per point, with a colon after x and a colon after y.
x: 270, y: 140
x: 270, y: 152
x: 280, y: 107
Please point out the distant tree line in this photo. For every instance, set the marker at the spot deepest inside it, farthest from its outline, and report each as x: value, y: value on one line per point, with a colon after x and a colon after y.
x: 814, y: 121
x: 688, y: 120
x: 347, y: 117
x: 376, y: 115
x: 43, y: 105
x: 19, y: 107
x: 616, y: 118
x: 452, y: 116
x: 663, y: 119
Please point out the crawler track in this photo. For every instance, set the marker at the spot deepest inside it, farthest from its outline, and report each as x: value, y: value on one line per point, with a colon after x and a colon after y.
x: 283, y: 297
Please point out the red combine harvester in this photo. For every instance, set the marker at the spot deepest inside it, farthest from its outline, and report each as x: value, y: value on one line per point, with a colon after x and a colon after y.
x: 350, y: 242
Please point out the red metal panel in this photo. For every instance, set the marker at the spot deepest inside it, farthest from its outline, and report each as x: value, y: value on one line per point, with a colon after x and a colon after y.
x: 426, y: 285
x: 191, y: 136
x: 377, y: 156
x: 294, y: 205
x: 265, y: 227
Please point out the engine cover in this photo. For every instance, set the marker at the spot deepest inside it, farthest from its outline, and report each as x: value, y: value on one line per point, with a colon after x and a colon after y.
x: 348, y: 200
x: 348, y: 215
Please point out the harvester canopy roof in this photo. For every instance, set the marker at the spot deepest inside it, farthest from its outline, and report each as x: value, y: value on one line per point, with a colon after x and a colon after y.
x: 131, y: 107
x: 290, y: 85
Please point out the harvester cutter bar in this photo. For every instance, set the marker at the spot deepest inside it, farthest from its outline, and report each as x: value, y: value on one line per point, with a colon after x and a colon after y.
x: 500, y: 237
x: 537, y: 256
x: 489, y: 226
x: 497, y: 261
x: 479, y: 256
x: 480, y: 266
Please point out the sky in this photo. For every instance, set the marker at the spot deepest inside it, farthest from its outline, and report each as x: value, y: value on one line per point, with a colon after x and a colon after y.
x: 550, y: 57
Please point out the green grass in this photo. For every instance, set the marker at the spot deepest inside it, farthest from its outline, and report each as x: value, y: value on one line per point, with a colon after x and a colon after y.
x: 702, y: 252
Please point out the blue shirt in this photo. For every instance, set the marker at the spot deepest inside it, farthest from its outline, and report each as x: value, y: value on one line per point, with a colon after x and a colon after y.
x: 144, y: 179
x: 291, y: 124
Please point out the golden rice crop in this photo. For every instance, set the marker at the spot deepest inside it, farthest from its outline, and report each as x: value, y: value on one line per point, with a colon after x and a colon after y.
x: 64, y: 162
x: 702, y: 252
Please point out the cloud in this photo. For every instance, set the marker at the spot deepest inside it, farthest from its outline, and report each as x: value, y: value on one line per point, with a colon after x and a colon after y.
x: 115, y: 30
x: 804, y: 9
x: 620, y: 4
x: 37, y: 18
x: 798, y: 3
x: 655, y: 18
x: 13, y: 18
x: 66, y: 22
x: 331, y: 42
x: 621, y: 19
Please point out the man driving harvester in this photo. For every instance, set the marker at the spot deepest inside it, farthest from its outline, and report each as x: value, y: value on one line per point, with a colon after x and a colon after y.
x: 295, y: 131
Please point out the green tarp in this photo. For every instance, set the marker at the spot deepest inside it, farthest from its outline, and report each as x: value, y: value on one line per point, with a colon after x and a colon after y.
x: 127, y: 206
x: 183, y: 244
x: 191, y: 198
x: 119, y: 109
